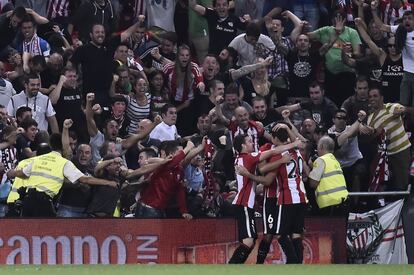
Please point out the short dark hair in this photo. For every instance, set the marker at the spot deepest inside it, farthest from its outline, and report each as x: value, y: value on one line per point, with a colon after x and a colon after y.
x: 22, y: 110
x: 150, y: 152
x: 342, y: 111
x: 214, y: 83
x: 28, y: 18
x: 7, y: 130
x: 253, y: 30
x: 55, y: 141
x: 19, y: 12
x: 170, y: 146
x: 314, y: 84
x: 118, y: 98
x: 38, y: 60
x: 378, y: 88
x: 258, y: 98
x: 282, y: 134
x: 238, y: 141
x: 29, y: 76
x: 361, y: 78
x: 69, y: 69
x: 27, y: 123
x: 96, y: 24
x: 164, y: 109
x: 231, y: 89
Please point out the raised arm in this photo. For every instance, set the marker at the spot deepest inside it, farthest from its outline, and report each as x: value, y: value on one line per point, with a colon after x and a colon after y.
x: 194, y: 152
x: 353, y: 130
x: 367, y: 39
x: 40, y: 20
x: 219, y: 112
x: 90, y: 121
x: 67, y: 150
x: 296, y: 22
x: 280, y: 149
x: 55, y: 93
x: 146, y: 169
x: 133, y: 139
x: 265, y: 180
x: 271, y: 166
x: 245, y: 70
x: 196, y: 7
x: 377, y: 20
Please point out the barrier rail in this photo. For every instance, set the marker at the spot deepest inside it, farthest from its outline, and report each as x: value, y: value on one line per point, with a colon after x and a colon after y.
x: 385, y: 193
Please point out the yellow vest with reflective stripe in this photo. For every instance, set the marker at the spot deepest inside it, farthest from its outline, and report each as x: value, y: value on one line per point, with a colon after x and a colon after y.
x: 18, y: 182
x: 47, y: 173
x: 331, y: 189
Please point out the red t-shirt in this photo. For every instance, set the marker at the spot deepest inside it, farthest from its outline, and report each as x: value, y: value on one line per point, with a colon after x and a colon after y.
x: 166, y: 182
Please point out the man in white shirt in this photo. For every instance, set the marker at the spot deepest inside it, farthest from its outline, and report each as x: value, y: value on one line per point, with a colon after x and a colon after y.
x: 251, y: 45
x: 42, y: 109
x: 166, y: 130
x: 6, y: 88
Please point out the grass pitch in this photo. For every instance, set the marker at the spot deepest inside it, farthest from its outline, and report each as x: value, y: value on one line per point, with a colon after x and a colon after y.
x: 210, y: 269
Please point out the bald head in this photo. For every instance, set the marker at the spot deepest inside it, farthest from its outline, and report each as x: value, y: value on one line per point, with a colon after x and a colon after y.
x: 55, y: 61
x: 242, y: 116
x: 143, y: 125
x: 325, y: 145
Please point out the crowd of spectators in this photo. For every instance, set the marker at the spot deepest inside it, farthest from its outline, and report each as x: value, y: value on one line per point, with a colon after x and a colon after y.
x: 151, y: 94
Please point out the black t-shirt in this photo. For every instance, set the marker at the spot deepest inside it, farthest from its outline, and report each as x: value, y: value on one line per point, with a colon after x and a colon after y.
x: 7, y: 32
x: 202, y: 105
x: 104, y: 199
x: 221, y: 32
x: 271, y: 116
x: 322, y: 114
x: 302, y: 70
x: 77, y: 194
x: 49, y: 77
x: 97, y: 67
x: 69, y: 105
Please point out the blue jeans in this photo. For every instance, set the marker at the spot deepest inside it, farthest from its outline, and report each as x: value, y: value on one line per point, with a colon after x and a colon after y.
x: 308, y: 12
x: 145, y: 211
x: 65, y: 211
x: 407, y: 90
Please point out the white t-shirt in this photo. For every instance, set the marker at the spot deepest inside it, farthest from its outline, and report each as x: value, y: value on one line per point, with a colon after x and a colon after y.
x: 408, y: 51
x: 40, y: 104
x: 6, y: 91
x: 164, y: 132
x: 161, y: 14
x: 249, y: 53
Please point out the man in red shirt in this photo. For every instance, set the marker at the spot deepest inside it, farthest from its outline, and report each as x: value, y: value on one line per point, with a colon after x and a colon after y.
x: 166, y: 182
x: 245, y: 197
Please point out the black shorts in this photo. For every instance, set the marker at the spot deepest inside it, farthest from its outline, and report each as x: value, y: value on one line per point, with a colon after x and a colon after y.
x: 269, y: 215
x: 290, y: 219
x: 246, y: 224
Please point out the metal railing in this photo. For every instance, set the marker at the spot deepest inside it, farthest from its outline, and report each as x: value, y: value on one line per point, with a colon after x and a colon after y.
x: 385, y: 193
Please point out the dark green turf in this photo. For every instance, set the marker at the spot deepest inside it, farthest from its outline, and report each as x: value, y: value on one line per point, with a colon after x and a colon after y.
x: 211, y: 269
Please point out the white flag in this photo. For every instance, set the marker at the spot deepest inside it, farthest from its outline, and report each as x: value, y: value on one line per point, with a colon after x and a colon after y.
x: 377, y: 236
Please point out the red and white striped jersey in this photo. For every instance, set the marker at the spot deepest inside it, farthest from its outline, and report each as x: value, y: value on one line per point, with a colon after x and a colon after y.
x: 58, y: 8
x: 390, y: 15
x: 246, y: 188
x: 290, y: 187
x: 269, y: 191
x: 254, y: 131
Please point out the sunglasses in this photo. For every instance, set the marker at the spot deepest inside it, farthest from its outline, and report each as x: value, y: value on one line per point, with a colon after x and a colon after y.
x: 391, y: 45
x: 340, y: 117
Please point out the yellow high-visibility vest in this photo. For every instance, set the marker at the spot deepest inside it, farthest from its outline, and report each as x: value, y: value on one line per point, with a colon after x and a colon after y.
x: 18, y: 182
x: 331, y: 189
x: 47, y: 173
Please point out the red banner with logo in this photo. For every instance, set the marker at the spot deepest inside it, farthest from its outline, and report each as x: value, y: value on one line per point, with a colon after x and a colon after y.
x: 129, y: 241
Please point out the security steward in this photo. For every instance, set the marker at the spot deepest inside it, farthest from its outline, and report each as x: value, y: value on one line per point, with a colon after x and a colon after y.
x: 45, y: 175
x: 328, y: 180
